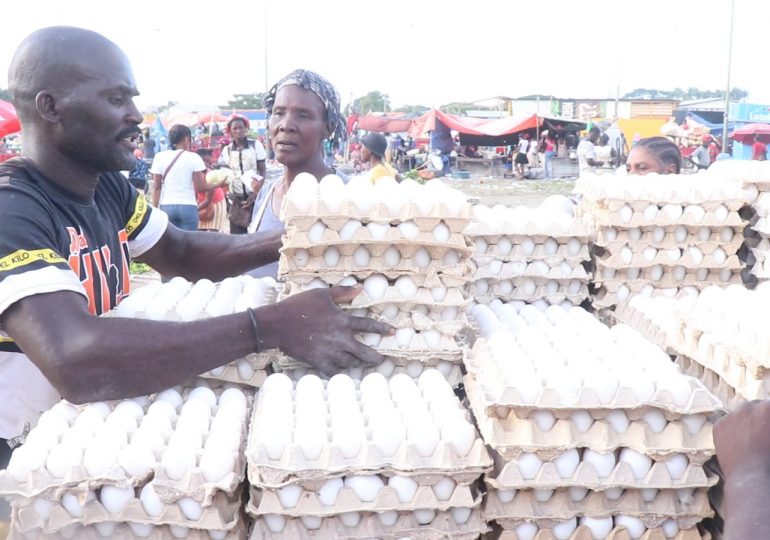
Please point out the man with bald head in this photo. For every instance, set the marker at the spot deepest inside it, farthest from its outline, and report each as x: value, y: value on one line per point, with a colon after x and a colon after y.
x: 70, y: 226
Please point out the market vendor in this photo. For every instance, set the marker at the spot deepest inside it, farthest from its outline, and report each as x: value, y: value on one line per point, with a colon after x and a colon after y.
x: 70, y: 228
x: 654, y: 155
x: 373, y: 155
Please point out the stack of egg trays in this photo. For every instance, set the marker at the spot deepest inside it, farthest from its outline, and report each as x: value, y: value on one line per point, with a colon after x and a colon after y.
x: 508, y: 426
x: 252, y: 369
x: 529, y: 263
x: 267, y: 476
x: 642, y: 248
x: 39, y: 511
x: 438, y: 305
x: 747, y: 375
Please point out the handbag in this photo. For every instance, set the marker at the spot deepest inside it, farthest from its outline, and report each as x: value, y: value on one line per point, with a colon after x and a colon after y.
x: 241, y: 210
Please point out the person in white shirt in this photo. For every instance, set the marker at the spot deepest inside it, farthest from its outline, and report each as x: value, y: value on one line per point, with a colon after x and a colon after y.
x: 586, y: 153
x: 521, y: 160
x: 532, y: 154
x: 176, y: 175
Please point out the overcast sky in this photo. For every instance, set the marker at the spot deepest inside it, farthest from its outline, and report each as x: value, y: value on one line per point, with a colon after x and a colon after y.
x: 418, y: 51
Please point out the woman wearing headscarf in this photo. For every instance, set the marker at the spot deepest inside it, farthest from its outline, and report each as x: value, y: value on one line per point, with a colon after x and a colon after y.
x: 303, y: 111
x: 245, y: 157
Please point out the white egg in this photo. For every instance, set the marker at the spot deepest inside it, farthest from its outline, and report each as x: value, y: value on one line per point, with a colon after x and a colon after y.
x: 505, y: 495
x: 640, y: 463
x: 655, y: 420
x: 349, y: 439
x: 136, y: 460
x: 602, y: 463
x: 635, y: 526
x: 290, y: 495
x: 658, y: 234
x: 527, y: 246
x: 388, y: 518
x: 375, y: 286
x: 332, y: 192
x: 441, y: 233
x: 278, y: 382
x: 348, y: 230
x: 670, y: 528
x: 481, y: 245
x: 421, y: 257
x: 649, y: 254
x: 695, y: 213
x: 361, y: 192
x: 100, y: 454
x: 114, y: 498
x: 626, y: 254
x: 677, y: 465
x: 303, y: 191
x: 350, y: 519
x: 704, y: 234
x: 391, y: 257
x: 611, y: 234
x: 331, y: 256
x: 62, y: 458
x: 178, y: 460
x: 216, y: 464
x: 275, y: 522
x: 329, y: 490
x: 72, y: 503
x: 673, y: 254
x: 721, y: 213
x: 618, y: 420
x: 42, y: 508
x: 626, y: 213
x: 529, y: 465
x: 361, y: 256
x: 635, y: 234
x: 424, y: 516
x: 316, y: 232
x: 726, y: 235
x: 460, y: 435
x: 694, y: 422
x: 599, y: 527
x: 544, y: 419
x: 650, y: 212
x: 406, y: 286
x: 151, y: 501
x: 377, y: 230
x: 404, y: 487
x: 311, y: 522
x: 526, y: 531
x: 451, y: 258
x: 409, y: 229
x: 170, y: 396
x: 178, y: 531
x: 503, y: 247
x: 649, y: 494
x: 365, y: 487
x: 567, y: 462
x: 424, y: 436
x: 719, y: 256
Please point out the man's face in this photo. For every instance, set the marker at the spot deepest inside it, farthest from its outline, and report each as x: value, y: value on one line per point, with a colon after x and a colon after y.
x: 98, y: 118
x: 297, y: 126
x: 366, y: 154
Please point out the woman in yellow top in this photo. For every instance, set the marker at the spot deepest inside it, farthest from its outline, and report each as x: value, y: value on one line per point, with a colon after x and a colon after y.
x: 373, y: 147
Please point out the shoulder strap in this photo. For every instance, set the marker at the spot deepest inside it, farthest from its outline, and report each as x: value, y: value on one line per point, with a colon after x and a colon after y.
x: 255, y: 223
x: 171, y: 165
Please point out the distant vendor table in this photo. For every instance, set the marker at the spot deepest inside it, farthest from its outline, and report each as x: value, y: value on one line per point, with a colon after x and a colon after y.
x: 493, y: 166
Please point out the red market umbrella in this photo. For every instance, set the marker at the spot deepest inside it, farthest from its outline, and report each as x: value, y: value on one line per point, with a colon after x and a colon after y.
x: 751, y: 132
x: 193, y: 119
x: 9, y: 121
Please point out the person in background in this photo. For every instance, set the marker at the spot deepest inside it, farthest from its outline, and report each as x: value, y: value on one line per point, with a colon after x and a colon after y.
x: 758, y: 150
x: 605, y: 153
x: 533, y: 159
x: 586, y: 152
x: 520, y: 161
x: 162, y: 144
x: 701, y: 158
x: 654, y: 155
x: 148, y: 146
x: 138, y: 175
x: 212, y: 206
x: 303, y: 111
x: 81, y: 224
x: 373, y: 153
x: 549, y: 153
x: 242, y: 155
x: 176, y: 175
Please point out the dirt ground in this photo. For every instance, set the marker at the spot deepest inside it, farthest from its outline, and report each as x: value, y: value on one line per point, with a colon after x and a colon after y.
x: 509, y: 192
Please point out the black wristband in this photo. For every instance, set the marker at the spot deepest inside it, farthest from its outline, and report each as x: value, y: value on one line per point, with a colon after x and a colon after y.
x: 255, y: 327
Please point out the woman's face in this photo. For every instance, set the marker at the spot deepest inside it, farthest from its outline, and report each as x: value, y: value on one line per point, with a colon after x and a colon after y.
x: 238, y: 130
x: 297, y: 126
x: 641, y: 161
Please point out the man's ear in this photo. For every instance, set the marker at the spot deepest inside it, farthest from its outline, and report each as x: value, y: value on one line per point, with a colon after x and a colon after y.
x: 45, y: 103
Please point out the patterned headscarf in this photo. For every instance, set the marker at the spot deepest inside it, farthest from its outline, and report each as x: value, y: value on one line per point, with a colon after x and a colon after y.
x: 328, y: 95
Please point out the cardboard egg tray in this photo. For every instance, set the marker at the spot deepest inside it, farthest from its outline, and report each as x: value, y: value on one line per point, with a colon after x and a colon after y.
x: 454, y: 295
x: 604, y: 299
x: 512, y: 270
x: 668, y: 281
x: 296, y: 238
x: 530, y: 230
x: 665, y: 505
x: 762, y: 225
x: 736, y: 376
x: 294, y: 468
x: 495, y: 394
x: 622, y: 237
x: 507, y: 475
x: 486, y: 290
x: 638, y: 201
x: 728, y: 395
x: 618, y: 533
x: 263, y: 502
x: 538, y: 254
x: 41, y: 483
x: 232, y: 373
x: 651, y: 328
x: 443, y: 526
x: 379, y: 213
x: 222, y: 514
x: 123, y: 531
x: 510, y: 436
x: 452, y: 370
x: 638, y: 260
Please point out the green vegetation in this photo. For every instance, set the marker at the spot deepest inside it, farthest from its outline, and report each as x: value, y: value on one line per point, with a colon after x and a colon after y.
x: 139, y: 268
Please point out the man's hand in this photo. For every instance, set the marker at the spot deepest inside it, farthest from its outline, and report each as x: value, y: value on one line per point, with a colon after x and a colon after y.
x: 310, y: 327
x: 742, y: 440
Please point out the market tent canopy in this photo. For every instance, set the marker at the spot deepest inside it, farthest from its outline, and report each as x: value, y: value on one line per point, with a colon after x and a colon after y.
x: 9, y: 121
x: 193, y: 119
x: 386, y: 123
x: 751, y: 132
x: 491, y: 127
